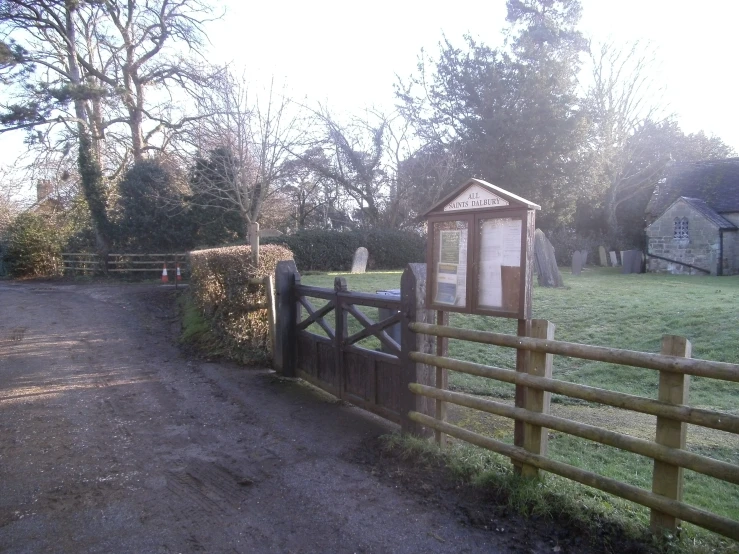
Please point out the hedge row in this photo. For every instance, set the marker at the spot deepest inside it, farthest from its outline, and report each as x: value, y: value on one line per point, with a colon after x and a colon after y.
x: 220, y: 290
x: 318, y: 250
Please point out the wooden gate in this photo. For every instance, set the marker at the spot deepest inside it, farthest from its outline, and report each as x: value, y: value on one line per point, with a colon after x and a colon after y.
x: 322, y: 336
x: 334, y: 361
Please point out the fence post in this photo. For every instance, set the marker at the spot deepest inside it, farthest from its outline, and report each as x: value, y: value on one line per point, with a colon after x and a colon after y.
x: 254, y: 243
x: 286, y: 338
x: 340, y: 331
x: 413, y: 308
x: 269, y: 291
x: 442, y: 376
x: 540, y: 365
x: 667, y: 479
x: 522, y: 365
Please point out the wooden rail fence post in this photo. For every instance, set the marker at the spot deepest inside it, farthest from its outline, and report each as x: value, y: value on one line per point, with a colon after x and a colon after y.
x: 442, y: 376
x: 539, y: 364
x: 286, y: 337
x: 412, y: 309
x: 522, y: 364
x: 667, y: 479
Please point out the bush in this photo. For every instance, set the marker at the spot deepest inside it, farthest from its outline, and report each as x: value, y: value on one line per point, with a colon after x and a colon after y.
x: 34, y: 246
x: 220, y: 289
x: 319, y: 250
x: 153, y: 216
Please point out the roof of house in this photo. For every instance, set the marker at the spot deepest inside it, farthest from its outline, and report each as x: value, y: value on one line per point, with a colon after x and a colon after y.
x: 715, y: 182
x: 708, y: 213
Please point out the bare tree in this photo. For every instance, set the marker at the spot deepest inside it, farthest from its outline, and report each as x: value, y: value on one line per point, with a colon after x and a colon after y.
x: 86, y: 69
x: 352, y: 157
x: 623, y: 102
x: 249, y: 140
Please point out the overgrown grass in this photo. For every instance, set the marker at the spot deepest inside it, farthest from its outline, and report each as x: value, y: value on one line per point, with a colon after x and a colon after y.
x: 605, y: 308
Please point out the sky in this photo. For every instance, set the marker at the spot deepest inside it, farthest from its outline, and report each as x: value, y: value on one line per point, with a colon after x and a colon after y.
x: 349, y: 54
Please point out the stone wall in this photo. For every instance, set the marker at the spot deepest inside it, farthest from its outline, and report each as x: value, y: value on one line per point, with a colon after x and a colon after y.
x: 699, y: 249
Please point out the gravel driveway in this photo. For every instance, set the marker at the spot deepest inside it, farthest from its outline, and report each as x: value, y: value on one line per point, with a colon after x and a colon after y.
x: 114, y: 440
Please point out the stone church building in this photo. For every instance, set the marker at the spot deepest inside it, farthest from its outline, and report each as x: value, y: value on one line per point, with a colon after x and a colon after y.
x: 693, y: 220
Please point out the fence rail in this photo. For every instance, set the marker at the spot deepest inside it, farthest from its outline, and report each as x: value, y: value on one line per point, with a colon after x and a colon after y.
x: 531, y: 411
x: 88, y: 263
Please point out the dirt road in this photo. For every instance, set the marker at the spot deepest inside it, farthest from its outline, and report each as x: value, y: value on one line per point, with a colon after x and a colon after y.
x: 113, y: 440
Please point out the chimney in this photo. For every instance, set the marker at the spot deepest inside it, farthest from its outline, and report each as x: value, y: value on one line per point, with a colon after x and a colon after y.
x: 43, y: 189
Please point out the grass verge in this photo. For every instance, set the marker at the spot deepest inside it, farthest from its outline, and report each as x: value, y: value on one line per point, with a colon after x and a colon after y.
x: 608, y: 523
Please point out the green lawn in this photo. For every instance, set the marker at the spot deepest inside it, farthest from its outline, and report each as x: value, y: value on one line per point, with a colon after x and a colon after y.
x: 605, y: 308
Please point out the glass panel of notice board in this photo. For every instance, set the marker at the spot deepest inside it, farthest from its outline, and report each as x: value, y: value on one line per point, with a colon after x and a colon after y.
x: 499, y: 263
x: 450, y: 263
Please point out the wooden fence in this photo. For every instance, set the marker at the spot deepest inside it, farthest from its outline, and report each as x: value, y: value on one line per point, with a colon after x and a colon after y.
x: 534, y: 384
x: 90, y: 263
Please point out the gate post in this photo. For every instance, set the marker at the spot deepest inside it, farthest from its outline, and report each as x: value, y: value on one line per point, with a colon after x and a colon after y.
x: 286, y: 336
x: 413, y: 308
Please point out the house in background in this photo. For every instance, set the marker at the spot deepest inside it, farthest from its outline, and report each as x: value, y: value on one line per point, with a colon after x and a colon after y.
x: 47, y: 202
x: 693, y: 219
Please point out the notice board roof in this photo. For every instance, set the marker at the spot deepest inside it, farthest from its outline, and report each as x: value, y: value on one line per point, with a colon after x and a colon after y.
x: 487, y: 196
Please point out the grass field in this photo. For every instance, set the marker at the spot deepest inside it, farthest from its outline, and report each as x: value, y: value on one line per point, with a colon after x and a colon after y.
x: 605, y: 308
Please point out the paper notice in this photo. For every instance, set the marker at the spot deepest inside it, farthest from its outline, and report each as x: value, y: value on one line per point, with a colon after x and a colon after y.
x: 500, y: 245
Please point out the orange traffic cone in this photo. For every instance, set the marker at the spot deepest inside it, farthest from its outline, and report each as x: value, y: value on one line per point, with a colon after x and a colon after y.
x: 165, y: 279
x: 179, y: 275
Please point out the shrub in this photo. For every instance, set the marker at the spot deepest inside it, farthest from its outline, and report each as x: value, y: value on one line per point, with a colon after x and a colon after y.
x: 220, y: 290
x: 34, y: 246
x: 153, y: 216
x: 320, y: 250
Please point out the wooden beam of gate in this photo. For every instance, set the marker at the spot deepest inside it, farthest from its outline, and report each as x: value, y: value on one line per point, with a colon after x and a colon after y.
x: 367, y: 322
x: 316, y: 316
x: 372, y: 330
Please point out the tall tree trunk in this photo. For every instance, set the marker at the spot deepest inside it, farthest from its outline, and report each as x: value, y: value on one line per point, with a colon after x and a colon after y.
x: 91, y: 174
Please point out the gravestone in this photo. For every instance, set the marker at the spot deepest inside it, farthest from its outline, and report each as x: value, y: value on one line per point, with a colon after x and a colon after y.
x: 633, y: 261
x: 614, y: 259
x: 577, y: 262
x: 359, y: 263
x: 639, y: 262
x: 548, y: 274
x: 626, y: 256
x: 584, y: 257
x: 602, y: 255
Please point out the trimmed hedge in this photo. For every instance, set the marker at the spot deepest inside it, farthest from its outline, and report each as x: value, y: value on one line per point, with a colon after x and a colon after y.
x: 220, y: 291
x: 319, y: 250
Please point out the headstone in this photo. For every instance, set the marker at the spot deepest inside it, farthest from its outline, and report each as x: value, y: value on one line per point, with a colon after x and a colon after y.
x: 577, y: 258
x: 636, y: 263
x: 626, y: 257
x: 584, y: 257
x: 614, y: 259
x: 548, y: 274
x: 602, y: 254
x: 632, y: 261
x: 264, y: 233
x: 359, y: 263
